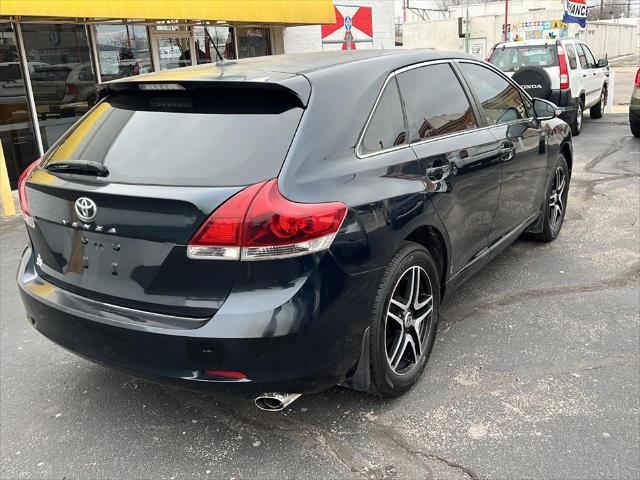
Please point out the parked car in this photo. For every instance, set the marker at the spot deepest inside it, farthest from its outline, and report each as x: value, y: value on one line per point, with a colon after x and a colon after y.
x: 64, y: 89
x: 634, y: 107
x: 13, y: 101
x: 564, y: 72
x: 288, y: 223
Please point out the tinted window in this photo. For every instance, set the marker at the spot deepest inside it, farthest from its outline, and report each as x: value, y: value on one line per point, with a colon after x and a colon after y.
x: 386, y: 128
x: 435, y: 102
x: 510, y: 59
x: 581, y: 55
x: 219, y: 137
x: 571, y: 55
x: 500, y: 100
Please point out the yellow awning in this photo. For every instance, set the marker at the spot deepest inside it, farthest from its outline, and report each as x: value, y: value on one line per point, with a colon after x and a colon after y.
x: 258, y: 11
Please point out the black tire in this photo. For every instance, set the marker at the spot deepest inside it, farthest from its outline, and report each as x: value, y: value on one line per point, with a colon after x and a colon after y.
x: 550, y: 228
x: 578, y: 118
x: 387, y: 382
x: 598, y: 109
x: 635, y: 129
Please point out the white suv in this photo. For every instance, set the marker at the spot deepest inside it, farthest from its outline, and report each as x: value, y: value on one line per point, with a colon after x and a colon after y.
x: 564, y: 72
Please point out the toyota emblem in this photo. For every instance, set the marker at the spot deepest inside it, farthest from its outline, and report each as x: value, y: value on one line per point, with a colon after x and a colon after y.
x: 86, y: 209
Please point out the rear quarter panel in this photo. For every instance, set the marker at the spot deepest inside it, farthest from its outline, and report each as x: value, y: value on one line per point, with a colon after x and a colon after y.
x: 385, y: 193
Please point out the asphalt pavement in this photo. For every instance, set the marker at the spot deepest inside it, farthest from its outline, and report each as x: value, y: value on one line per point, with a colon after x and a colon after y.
x: 535, y: 374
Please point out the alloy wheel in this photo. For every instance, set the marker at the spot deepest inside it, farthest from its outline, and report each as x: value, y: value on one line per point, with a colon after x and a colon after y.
x: 579, y: 116
x: 556, y: 199
x: 408, y: 320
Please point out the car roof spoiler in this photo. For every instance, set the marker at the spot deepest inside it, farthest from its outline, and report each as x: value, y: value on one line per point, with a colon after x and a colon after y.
x: 298, y: 86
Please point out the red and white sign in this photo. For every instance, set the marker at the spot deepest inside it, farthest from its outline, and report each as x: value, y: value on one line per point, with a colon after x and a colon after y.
x: 354, y: 26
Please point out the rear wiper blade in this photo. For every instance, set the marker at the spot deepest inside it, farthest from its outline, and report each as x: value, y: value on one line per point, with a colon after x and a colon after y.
x: 82, y: 167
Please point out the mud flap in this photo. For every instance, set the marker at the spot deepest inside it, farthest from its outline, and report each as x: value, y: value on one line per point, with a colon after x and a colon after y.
x: 537, y: 226
x: 360, y: 377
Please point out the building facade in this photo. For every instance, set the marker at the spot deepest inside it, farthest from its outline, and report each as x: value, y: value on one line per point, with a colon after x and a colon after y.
x: 527, y: 19
x: 371, y: 21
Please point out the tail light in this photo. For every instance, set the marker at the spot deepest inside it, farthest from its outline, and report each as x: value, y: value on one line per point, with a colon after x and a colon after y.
x: 258, y: 223
x: 72, y: 89
x: 637, y: 83
x: 564, y: 70
x: 22, y: 193
x: 226, y: 374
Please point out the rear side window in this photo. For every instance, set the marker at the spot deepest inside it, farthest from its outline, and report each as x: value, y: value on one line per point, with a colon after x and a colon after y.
x: 386, y: 128
x: 510, y: 59
x: 435, y: 102
x: 582, y: 56
x: 501, y: 101
x: 571, y: 55
x: 208, y: 137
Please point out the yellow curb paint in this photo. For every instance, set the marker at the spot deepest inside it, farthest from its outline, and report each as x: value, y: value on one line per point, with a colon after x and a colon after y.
x: 8, y: 208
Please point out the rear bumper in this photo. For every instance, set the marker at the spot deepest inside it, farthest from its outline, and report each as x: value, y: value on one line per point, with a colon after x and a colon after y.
x: 562, y: 99
x: 310, y: 341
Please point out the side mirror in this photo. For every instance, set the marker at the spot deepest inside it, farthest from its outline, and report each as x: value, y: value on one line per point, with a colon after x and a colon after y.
x: 544, y: 109
x: 602, y: 63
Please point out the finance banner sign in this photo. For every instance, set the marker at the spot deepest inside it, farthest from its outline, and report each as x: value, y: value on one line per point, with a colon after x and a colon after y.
x: 575, y: 11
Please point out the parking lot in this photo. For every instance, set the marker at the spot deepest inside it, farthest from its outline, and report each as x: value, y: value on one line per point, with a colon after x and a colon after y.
x: 535, y: 373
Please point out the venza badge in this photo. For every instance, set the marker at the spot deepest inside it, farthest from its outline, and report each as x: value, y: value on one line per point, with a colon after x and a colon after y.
x: 86, y: 209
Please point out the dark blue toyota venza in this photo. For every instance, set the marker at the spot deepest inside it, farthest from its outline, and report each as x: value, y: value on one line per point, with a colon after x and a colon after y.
x: 280, y: 225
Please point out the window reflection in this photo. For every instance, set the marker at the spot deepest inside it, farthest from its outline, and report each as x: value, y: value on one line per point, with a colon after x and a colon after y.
x: 16, y: 131
x: 214, y: 44
x: 386, y: 128
x: 174, y: 52
x: 253, y: 42
x: 123, y: 51
x: 62, y: 80
x: 500, y: 100
x: 435, y: 102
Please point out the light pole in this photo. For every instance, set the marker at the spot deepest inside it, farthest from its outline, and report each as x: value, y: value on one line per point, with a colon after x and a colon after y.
x: 506, y: 20
x: 466, y: 31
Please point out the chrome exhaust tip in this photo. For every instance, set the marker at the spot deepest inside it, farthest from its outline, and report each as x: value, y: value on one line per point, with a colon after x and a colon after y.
x: 274, y: 402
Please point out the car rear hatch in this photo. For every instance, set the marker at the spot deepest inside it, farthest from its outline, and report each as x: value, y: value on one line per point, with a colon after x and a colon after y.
x: 117, y: 199
x: 513, y: 58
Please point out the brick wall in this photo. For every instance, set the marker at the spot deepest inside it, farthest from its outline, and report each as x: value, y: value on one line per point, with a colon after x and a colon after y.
x: 308, y: 39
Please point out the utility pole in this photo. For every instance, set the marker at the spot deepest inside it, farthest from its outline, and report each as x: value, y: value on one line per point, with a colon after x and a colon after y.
x: 466, y: 32
x: 601, y: 10
x: 506, y: 20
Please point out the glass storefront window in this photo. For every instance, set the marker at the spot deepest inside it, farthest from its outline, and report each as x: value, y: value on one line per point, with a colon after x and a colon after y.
x: 123, y: 51
x: 214, y: 44
x: 16, y: 129
x: 253, y: 42
x: 174, y: 52
x: 62, y: 80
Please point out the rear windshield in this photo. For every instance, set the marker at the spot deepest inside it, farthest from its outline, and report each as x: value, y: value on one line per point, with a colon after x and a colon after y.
x: 210, y: 137
x: 510, y: 59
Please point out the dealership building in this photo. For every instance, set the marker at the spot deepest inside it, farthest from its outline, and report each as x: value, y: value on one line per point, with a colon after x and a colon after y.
x: 53, y: 53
